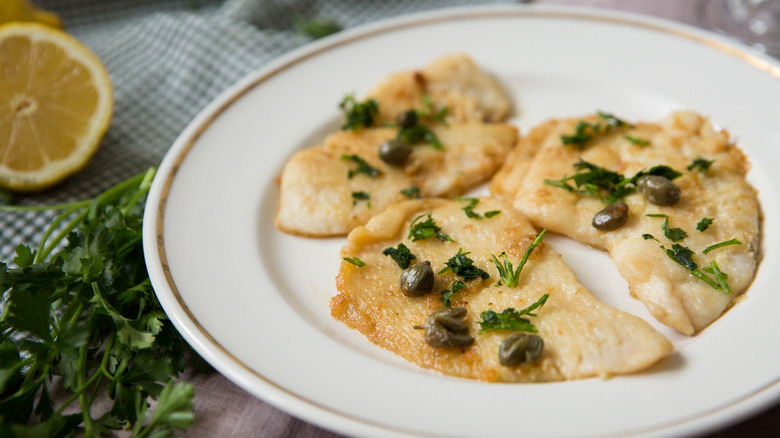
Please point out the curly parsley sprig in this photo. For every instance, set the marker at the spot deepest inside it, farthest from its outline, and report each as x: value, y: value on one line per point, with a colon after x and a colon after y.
x: 80, y: 306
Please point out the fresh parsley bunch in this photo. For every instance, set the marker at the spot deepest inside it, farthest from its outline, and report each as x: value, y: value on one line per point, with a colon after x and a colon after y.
x: 80, y: 307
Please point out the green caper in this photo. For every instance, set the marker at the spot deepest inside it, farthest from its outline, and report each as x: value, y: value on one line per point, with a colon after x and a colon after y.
x: 444, y: 327
x: 394, y: 151
x: 417, y: 279
x: 520, y: 348
x: 612, y: 217
x: 407, y: 119
x: 658, y: 189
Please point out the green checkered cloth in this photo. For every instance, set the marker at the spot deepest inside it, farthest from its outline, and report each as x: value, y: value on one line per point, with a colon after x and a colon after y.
x: 167, y: 59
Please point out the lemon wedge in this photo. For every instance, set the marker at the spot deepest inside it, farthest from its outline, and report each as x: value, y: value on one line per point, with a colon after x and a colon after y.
x: 56, y: 103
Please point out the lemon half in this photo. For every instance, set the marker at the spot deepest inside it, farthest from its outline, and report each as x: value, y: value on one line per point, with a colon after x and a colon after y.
x: 56, y: 103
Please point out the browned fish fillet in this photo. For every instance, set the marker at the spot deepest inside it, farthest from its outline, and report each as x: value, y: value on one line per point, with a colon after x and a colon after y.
x: 669, y: 290
x: 582, y: 337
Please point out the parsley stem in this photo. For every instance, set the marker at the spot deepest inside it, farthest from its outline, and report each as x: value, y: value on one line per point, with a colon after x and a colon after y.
x: 702, y: 276
x: 39, y: 254
x: 98, y: 373
x: 143, y: 188
x: 23, y: 208
x: 83, y: 402
x: 44, y: 253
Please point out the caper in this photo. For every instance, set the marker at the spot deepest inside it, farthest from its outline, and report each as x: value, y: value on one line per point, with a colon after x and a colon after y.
x: 406, y: 119
x: 394, y: 151
x: 658, y: 189
x: 417, y: 279
x: 612, y: 217
x: 520, y: 348
x: 444, y: 327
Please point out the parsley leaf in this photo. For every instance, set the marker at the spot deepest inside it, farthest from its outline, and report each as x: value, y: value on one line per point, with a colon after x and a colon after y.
x: 361, y: 196
x: 469, y: 209
x: 402, y: 255
x: 464, y: 267
x: 508, y: 274
x: 585, y: 131
x: 673, y: 234
x: 607, y: 185
x: 412, y: 192
x: 590, y: 179
x: 611, y: 120
x: 448, y: 293
x: 510, y: 319
x: 721, y: 245
x: 316, y: 27
x: 430, y: 112
x: 720, y: 277
x: 637, y: 140
x: 362, y: 167
x: 704, y: 223
x: 684, y: 256
x: 426, y: 229
x: 355, y: 261
x: 649, y: 237
x: 358, y: 114
x: 419, y: 134
x: 700, y: 164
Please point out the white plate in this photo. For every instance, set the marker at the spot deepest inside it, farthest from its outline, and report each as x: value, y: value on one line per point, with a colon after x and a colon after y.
x: 254, y: 301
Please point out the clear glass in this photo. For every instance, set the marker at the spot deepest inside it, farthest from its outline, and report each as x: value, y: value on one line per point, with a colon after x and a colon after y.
x: 754, y: 22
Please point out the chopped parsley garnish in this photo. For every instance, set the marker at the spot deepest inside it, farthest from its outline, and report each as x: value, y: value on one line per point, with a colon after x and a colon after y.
x: 355, y: 261
x: 681, y: 255
x: 412, y: 132
x: 585, y: 131
x: 637, y: 140
x: 590, y: 179
x: 704, y: 223
x: 649, y: 237
x: 661, y: 170
x: 361, y: 196
x: 430, y: 112
x: 721, y: 245
x: 402, y: 255
x: 464, y: 267
x: 720, y: 277
x: 362, y: 166
x: 412, y: 192
x: 358, y: 114
x: 582, y: 134
x: 700, y: 164
x: 469, y: 209
x: 611, y: 120
x: 684, y: 256
x: 448, y: 293
x: 418, y: 134
x: 509, y: 275
x: 605, y: 184
x: 426, y: 229
x: 510, y: 319
x: 673, y: 234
